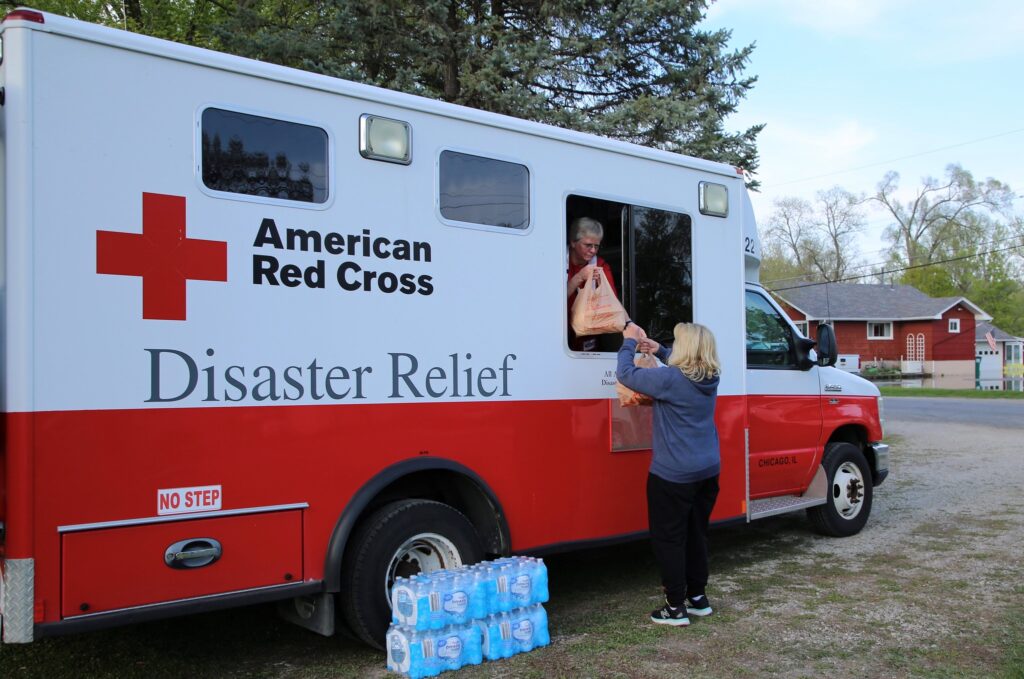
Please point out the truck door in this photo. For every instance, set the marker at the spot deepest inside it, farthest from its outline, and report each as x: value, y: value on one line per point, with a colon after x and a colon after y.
x: 783, y: 403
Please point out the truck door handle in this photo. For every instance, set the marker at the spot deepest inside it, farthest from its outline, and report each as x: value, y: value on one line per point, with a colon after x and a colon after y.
x: 192, y: 553
x: 833, y: 401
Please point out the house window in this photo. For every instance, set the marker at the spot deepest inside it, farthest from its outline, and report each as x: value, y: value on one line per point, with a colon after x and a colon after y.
x: 954, y: 325
x: 1013, y: 353
x: 801, y: 326
x: 879, y: 331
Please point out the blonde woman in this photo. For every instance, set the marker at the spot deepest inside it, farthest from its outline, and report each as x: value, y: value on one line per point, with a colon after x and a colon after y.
x: 682, y: 483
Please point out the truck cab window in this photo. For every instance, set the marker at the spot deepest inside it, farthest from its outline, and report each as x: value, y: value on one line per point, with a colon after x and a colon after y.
x: 770, y: 341
x: 649, y: 254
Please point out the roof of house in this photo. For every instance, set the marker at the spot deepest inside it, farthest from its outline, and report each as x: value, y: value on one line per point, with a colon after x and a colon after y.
x: 861, y: 302
x: 981, y: 329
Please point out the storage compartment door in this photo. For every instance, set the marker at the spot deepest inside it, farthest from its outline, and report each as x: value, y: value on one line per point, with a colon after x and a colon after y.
x: 115, y: 568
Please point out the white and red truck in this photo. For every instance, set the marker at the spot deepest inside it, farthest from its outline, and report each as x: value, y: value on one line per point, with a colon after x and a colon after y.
x: 270, y: 335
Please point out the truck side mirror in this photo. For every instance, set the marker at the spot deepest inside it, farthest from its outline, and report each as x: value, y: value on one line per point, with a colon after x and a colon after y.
x: 828, y: 353
x: 803, y: 353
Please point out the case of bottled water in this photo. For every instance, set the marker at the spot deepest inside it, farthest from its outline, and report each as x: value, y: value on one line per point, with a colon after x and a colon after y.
x: 454, y: 597
x: 519, y: 631
x: 447, y: 619
x: 428, y: 653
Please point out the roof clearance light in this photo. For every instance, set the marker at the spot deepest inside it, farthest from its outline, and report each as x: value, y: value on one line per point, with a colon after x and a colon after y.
x: 385, y: 139
x: 714, y: 199
x: 25, y: 15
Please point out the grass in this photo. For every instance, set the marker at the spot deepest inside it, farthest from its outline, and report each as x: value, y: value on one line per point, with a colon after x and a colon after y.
x: 1013, y: 662
x: 786, y: 600
x: 947, y: 393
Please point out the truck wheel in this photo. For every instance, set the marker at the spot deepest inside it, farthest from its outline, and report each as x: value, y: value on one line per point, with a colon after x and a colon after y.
x: 849, y: 492
x: 400, y: 539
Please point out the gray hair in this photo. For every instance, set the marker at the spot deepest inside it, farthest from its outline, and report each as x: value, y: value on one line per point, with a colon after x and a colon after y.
x: 585, y: 226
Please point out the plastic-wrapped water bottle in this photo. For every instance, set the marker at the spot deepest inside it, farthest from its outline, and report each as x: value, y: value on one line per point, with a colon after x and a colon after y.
x: 449, y: 647
x: 521, y: 583
x: 542, y: 636
x: 410, y: 652
x: 401, y: 601
x: 477, y: 594
x: 410, y: 602
x: 439, y: 586
x: 472, y: 646
x: 489, y: 578
x: 539, y: 573
x: 455, y: 600
x: 495, y: 636
x: 503, y: 588
x: 529, y: 628
x: 397, y: 644
x: 428, y: 651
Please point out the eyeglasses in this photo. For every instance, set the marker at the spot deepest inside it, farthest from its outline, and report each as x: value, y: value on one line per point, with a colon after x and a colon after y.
x: 590, y: 246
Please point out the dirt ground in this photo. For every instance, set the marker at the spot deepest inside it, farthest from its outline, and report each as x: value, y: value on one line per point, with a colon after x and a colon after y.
x: 933, y: 587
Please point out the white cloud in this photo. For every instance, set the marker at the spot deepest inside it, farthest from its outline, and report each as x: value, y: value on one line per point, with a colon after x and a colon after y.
x: 953, y: 33
x: 824, y: 16
x: 799, y: 152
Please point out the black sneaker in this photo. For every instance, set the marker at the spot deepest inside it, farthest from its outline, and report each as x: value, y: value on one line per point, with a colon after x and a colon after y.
x: 667, y: 615
x: 698, y: 605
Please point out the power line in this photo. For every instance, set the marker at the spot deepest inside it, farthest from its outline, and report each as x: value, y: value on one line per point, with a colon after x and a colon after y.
x: 899, y: 269
x: 894, y: 160
x: 857, y: 267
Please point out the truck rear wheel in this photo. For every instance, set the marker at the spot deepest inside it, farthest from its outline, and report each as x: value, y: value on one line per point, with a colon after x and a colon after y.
x: 400, y: 539
x: 849, y: 492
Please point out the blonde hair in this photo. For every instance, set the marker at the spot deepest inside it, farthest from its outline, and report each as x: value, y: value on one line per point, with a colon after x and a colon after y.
x: 694, y: 352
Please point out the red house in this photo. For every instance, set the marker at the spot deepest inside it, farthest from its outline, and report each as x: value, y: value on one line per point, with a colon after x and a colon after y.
x: 891, y: 325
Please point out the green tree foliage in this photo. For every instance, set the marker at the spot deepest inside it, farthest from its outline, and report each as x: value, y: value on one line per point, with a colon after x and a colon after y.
x: 637, y: 70
x: 187, y: 21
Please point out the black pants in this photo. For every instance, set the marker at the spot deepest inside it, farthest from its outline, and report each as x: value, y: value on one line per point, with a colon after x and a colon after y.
x: 678, y: 515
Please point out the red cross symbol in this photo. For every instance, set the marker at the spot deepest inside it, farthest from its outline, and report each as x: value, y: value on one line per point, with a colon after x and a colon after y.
x: 163, y: 256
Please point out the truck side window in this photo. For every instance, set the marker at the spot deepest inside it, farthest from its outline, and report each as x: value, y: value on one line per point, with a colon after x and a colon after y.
x: 770, y: 341
x: 258, y: 156
x: 485, y: 191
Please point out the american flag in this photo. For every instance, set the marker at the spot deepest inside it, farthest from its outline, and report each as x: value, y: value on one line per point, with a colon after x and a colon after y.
x: 991, y: 340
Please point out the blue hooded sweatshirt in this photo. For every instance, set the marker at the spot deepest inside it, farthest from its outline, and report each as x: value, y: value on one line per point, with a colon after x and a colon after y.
x: 685, y: 437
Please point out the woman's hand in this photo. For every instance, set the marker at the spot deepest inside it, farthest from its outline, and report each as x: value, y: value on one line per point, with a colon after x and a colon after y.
x: 581, y: 277
x: 634, y: 332
x: 648, y: 346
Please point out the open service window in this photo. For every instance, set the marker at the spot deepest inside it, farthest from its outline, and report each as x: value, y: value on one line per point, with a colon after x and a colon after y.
x: 648, y: 254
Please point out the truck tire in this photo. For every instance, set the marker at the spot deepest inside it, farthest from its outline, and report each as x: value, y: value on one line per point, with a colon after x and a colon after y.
x: 849, y: 492
x: 399, y: 539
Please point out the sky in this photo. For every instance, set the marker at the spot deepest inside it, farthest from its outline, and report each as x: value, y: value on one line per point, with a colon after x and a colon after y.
x: 851, y: 89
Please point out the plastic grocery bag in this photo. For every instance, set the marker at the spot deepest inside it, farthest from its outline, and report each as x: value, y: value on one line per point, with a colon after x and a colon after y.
x: 597, y: 310
x: 628, y: 397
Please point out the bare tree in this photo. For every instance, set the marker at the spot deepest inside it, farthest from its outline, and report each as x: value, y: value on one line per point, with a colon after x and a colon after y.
x: 789, y: 228
x: 816, y: 238
x: 938, y: 212
x: 838, y: 219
